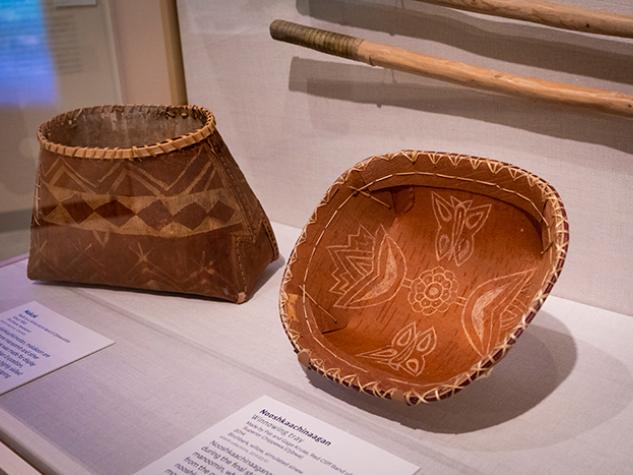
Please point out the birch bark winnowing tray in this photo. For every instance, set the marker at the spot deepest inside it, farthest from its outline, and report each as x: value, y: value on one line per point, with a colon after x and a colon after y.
x: 418, y: 271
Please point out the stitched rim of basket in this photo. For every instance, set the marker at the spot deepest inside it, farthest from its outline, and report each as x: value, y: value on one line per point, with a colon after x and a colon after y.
x: 485, y: 365
x: 146, y: 150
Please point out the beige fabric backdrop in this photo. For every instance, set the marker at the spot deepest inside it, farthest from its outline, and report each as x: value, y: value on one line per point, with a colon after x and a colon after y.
x: 294, y: 118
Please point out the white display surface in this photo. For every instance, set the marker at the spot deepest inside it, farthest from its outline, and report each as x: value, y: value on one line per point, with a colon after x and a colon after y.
x: 269, y: 437
x: 34, y: 341
x: 560, y: 402
x: 295, y: 118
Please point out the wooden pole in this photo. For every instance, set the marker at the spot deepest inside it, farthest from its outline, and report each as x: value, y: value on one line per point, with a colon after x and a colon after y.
x: 546, y: 13
x: 376, y: 54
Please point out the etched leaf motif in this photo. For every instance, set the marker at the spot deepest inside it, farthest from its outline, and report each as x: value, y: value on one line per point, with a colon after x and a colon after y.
x: 404, y: 338
x: 407, y: 350
x: 426, y: 341
x: 476, y: 217
x: 491, y: 306
x: 364, y: 275
x: 478, y: 309
x: 442, y: 245
x: 385, y: 353
x: 463, y: 249
x: 413, y: 366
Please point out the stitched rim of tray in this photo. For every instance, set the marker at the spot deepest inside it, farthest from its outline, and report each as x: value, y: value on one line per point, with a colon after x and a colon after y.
x: 147, y: 150
x: 484, y: 366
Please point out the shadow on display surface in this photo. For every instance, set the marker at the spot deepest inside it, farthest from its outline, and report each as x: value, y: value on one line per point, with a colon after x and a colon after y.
x: 367, y: 85
x: 540, y: 362
x: 268, y: 274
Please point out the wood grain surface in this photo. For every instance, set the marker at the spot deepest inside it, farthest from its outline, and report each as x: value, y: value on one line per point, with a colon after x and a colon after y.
x: 548, y: 13
x: 391, y: 57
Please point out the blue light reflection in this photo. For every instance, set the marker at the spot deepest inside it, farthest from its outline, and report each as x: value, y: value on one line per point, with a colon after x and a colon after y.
x: 27, y: 73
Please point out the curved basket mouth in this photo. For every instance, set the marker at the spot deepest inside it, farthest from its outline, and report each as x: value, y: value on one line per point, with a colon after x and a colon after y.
x: 125, y: 131
x: 419, y: 270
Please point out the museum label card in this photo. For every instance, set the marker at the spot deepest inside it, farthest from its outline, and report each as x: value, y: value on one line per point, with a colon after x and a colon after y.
x: 269, y: 437
x: 34, y: 341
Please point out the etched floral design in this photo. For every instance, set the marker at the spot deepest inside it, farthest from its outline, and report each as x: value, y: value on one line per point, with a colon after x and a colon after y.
x: 458, y: 222
x: 369, y: 269
x: 407, y: 350
x: 433, y: 291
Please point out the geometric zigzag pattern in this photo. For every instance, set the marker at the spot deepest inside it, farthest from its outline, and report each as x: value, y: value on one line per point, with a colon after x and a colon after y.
x: 190, y: 201
x: 174, y: 216
x: 184, y: 221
